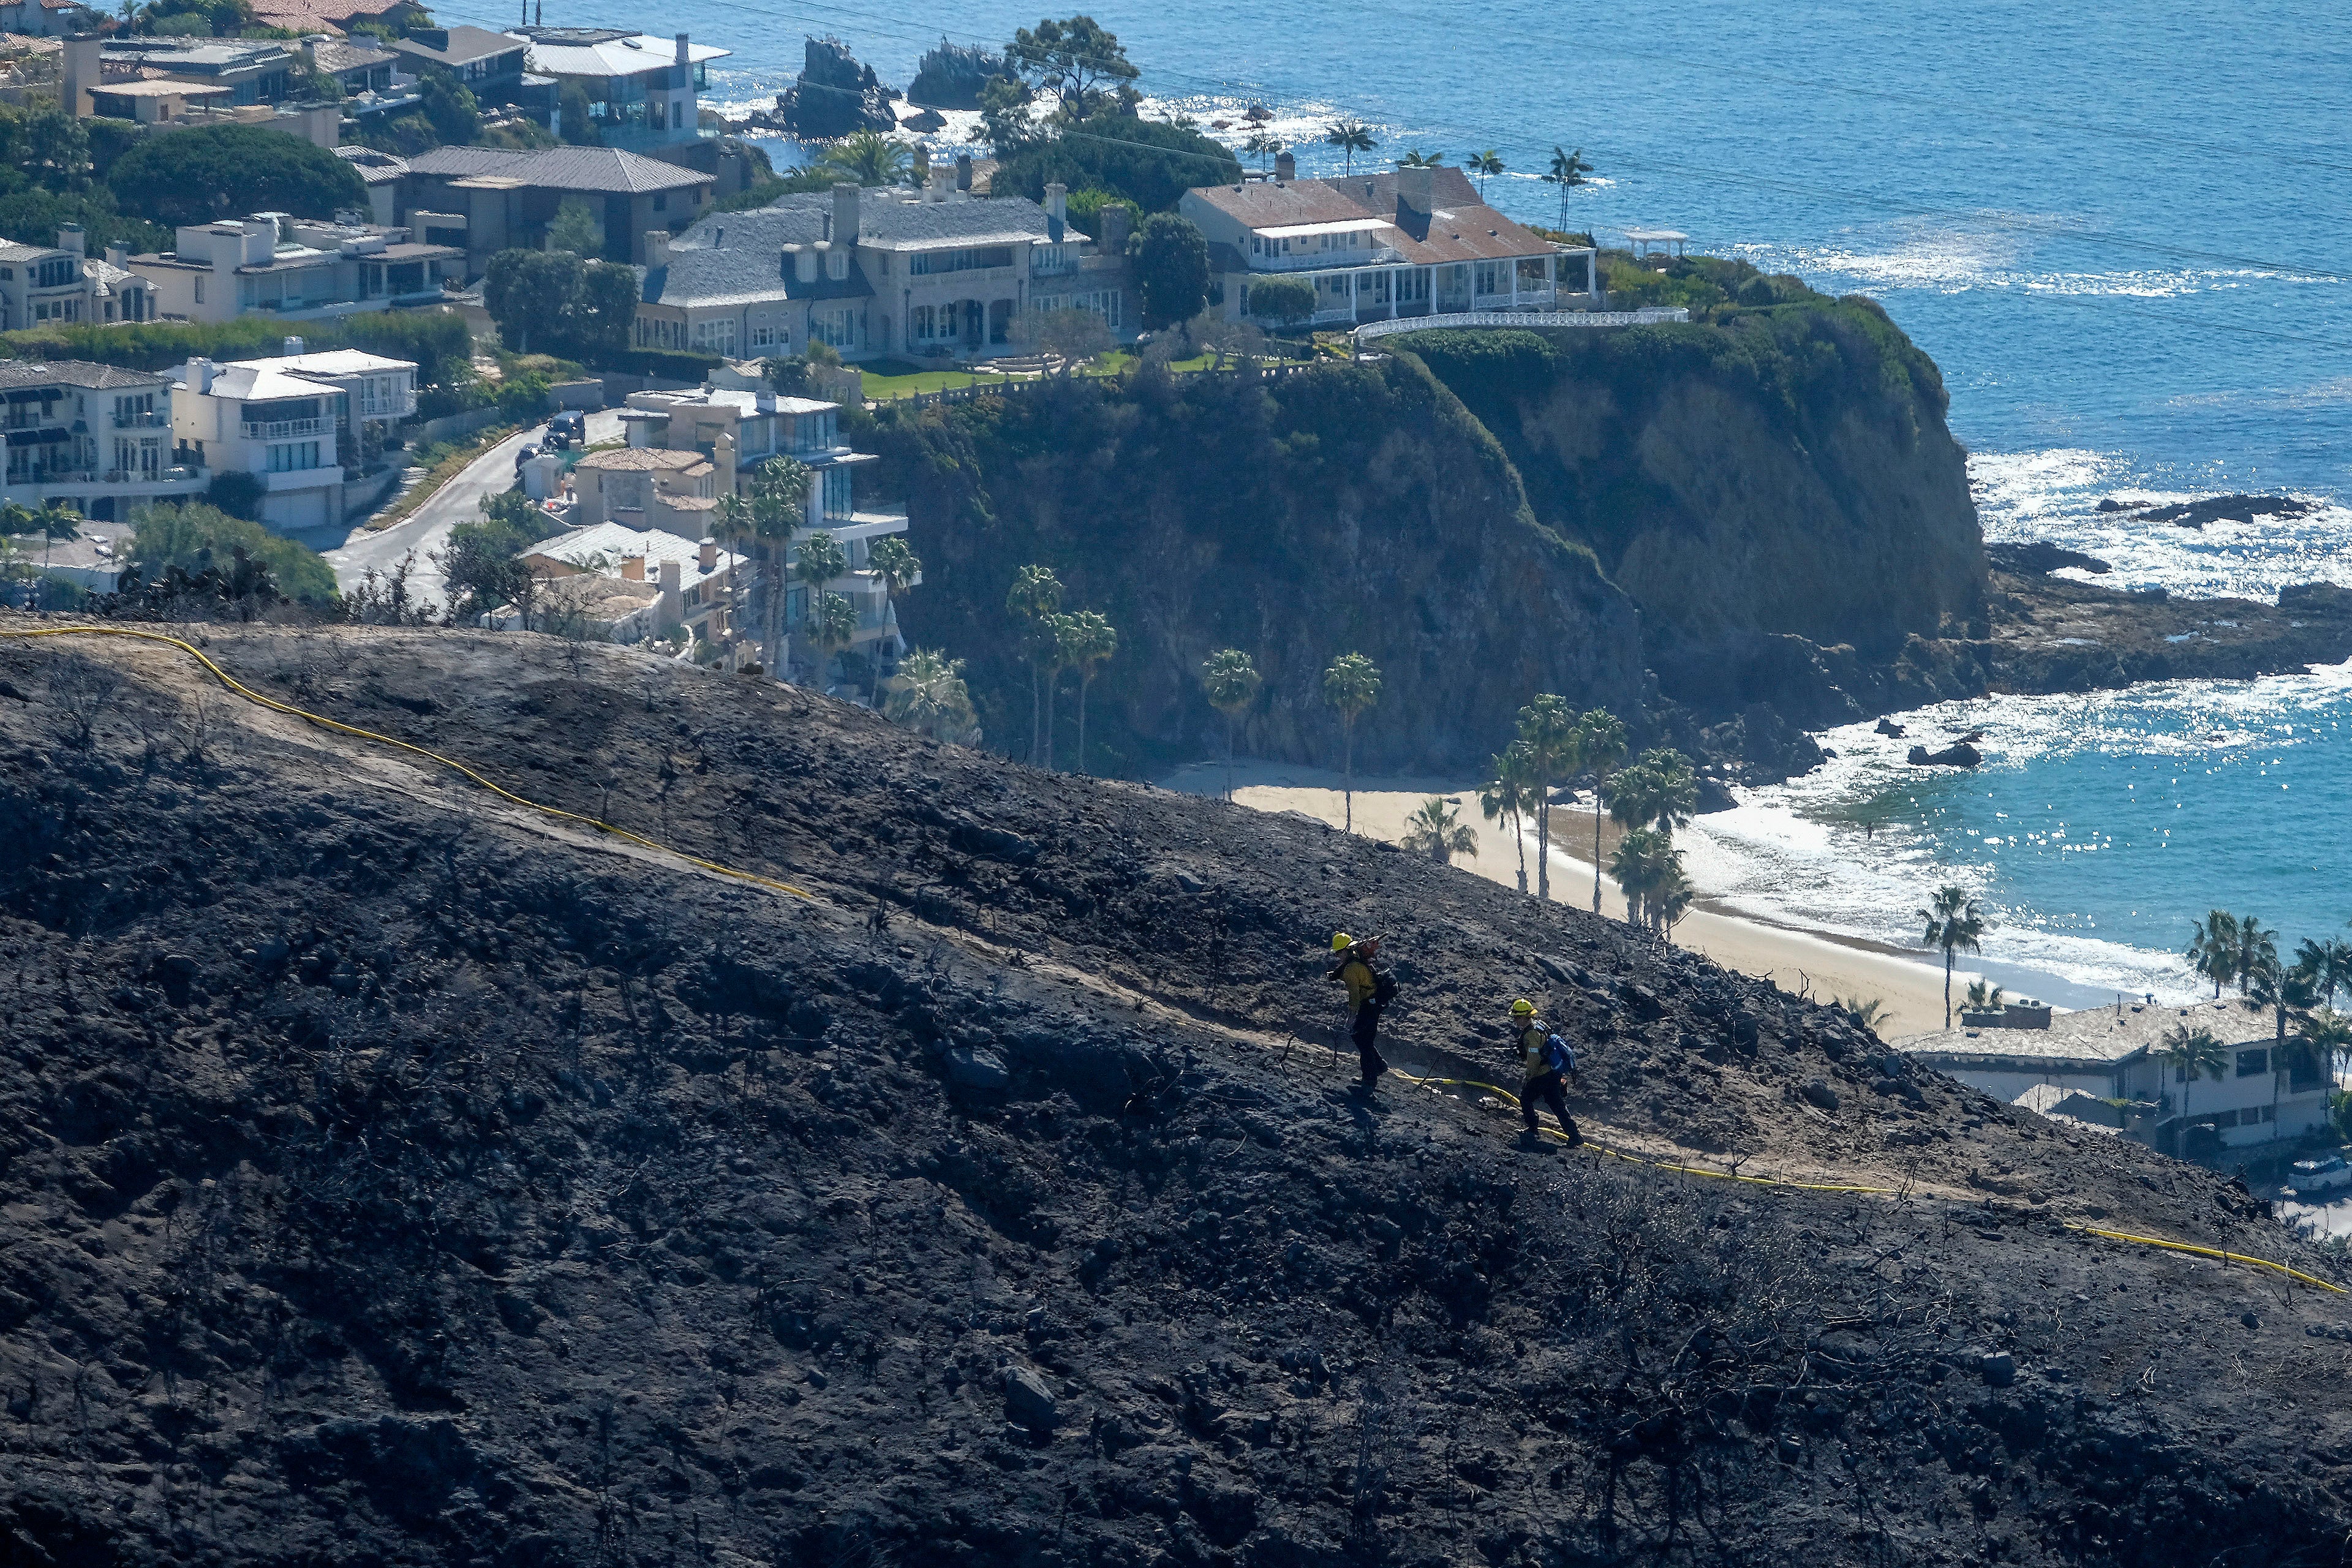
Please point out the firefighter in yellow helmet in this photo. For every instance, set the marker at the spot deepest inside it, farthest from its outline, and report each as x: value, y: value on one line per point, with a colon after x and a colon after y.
x: 1368, y: 991
x: 1545, y: 1061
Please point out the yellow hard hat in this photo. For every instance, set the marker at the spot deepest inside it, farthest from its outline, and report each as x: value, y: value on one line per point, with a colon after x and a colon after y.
x: 1522, y: 1008
x: 1342, y: 942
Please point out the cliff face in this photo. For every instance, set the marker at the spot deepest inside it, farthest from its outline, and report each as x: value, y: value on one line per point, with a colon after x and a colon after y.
x: 1301, y: 517
x: 1781, y: 472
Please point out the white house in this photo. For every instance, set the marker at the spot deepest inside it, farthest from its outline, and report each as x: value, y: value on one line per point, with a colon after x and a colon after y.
x: 644, y: 93
x: 94, y: 436
x: 296, y: 269
x: 304, y: 424
x: 1401, y: 242
x: 40, y: 284
x: 2102, y: 1066
x: 653, y: 580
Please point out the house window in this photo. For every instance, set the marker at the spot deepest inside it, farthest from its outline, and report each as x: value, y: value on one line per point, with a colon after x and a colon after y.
x: 200, y: 290
x: 2253, y: 1063
x: 763, y: 336
x: 836, y: 329
x: 293, y: 456
x: 661, y: 201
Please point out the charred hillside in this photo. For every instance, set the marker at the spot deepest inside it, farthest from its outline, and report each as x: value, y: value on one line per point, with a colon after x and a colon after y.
x: 395, y: 1176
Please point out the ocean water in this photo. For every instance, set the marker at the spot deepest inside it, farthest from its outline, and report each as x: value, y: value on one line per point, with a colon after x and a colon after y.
x: 2123, y: 231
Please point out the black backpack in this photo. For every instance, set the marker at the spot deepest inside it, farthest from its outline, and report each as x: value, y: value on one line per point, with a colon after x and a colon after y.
x: 1384, y: 989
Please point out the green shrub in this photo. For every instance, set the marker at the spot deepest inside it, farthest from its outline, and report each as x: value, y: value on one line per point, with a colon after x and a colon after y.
x: 194, y: 535
x: 237, y: 493
x: 437, y: 340
x: 214, y: 171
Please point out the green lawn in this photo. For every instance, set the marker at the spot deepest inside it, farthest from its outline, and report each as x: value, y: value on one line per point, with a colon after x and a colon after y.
x: 912, y: 379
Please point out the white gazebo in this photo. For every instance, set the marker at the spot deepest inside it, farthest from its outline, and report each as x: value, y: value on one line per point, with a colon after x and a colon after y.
x: 1670, y: 240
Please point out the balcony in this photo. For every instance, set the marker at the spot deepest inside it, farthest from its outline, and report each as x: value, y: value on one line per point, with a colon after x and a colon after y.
x: 146, y: 419
x: 284, y: 430
x: 1328, y: 261
x: 387, y: 407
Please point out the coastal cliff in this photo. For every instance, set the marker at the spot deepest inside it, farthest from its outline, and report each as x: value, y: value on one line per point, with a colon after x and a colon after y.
x: 1345, y: 508
x: 1775, y: 473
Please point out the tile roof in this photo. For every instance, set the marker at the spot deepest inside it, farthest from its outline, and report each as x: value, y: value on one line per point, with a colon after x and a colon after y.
x: 603, y: 169
x: 1460, y: 226
x: 642, y: 459
x: 617, y: 542
x: 73, y: 373
x: 16, y: 250
x: 334, y: 57
x: 733, y: 274
x: 894, y: 223
x: 320, y: 16
x: 2101, y: 1034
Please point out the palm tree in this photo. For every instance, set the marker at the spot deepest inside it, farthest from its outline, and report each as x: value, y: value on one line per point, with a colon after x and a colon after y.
x: 1033, y: 600
x: 2193, y: 1053
x: 1600, y: 746
x: 2256, y: 947
x: 1089, y: 640
x: 2214, y: 950
x: 1263, y: 145
x: 1350, y: 137
x: 1351, y: 684
x: 1436, y: 829
x: 869, y: 158
x: 1649, y: 872
x: 734, y: 528
x: 1568, y: 171
x: 928, y: 694
x: 1509, y: 789
x: 1982, y: 996
x: 830, y: 624
x: 1954, y: 921
x: 779, y: 499
x: 820, y: 561
x: 1417, y: 158
x: 2326, y: 964
x: 2283, y: 990
x: 1231, y: 682
x: 1548, y: 731
x: 1482, y: 165
x: 896, y: 563
x: 1658, y: 791
x: 2329, y: 1033
x: 1865, y: 1013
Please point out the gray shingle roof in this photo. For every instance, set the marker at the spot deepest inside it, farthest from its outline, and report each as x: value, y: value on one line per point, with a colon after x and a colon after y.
x: 888, y: 221
x: 73, y: 373
x: 466, y: 46
x: 335, y: 57
x: 721, y: 263
x: 603, y: 169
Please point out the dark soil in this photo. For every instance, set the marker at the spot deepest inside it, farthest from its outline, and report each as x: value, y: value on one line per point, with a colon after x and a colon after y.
x: 389, y: 1175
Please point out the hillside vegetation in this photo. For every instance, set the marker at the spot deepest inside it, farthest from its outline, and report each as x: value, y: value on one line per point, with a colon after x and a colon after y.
x: 1353, y: 508
x: 398, y: 1177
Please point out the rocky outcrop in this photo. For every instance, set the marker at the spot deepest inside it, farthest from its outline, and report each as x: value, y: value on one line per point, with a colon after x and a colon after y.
x: 953, y: 76
x: 2040, y: 556
x: 1766, y: 486
x: 2238, y: 508
x: 1345, y: 508
x: 834, y: 95
x: 2052, y: 634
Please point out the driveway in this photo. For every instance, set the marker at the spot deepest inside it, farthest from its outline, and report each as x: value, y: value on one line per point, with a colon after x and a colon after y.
x: 425, y: 530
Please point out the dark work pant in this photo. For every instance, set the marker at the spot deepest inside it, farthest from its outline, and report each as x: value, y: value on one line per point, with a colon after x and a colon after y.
x: 1550, y: 1091
x: 1367, y: 1025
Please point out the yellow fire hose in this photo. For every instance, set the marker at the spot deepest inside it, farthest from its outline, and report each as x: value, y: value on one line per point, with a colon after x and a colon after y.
x: 2226, y: 1257
x: 230, y: 683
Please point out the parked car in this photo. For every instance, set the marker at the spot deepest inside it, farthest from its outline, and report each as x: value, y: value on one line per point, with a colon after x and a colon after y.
x: 525, y: 456
x: 567, y: 430
x: 2321, y: 1173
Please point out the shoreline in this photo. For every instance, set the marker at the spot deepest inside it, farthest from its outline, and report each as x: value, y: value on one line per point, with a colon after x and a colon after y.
x: 1801, y: 960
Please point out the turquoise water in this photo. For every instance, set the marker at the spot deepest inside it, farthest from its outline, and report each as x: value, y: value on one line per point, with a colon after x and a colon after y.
x: 2123, y: 231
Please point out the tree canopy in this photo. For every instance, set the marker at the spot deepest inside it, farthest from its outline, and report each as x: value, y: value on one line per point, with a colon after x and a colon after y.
x: 213, y: 172
x: 195, y: 536
x: 1172, y: 269
x: 1148, y: 162
x: 1079, y: 61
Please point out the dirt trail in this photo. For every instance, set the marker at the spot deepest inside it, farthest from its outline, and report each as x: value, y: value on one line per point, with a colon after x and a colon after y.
x: 393, y: 1176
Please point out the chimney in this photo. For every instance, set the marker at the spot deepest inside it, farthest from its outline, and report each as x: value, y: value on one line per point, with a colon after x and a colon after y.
x: 963, y: 171
x: 941, y: 182
x: 1413, y: 189
x: 199, y: 376
x: 658, y: 247
x: 1057, y: 208
x: 845, y: 213
x: 291, y: 347
x: 632, y: 568
x: 706, y: 558
x: 118, y: 256
x: 81, y: 73
x: 682, y: 61
x: 1114, y: 228
x: 71, y: 237
x: 1286, y: 167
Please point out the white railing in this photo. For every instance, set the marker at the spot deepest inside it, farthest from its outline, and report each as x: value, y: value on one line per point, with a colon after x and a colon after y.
x: 279, y: 430
x: 1649, y: 315
x: 1328, y: 261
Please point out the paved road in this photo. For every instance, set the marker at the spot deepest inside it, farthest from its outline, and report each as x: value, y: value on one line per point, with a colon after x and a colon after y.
x: 426, y: 530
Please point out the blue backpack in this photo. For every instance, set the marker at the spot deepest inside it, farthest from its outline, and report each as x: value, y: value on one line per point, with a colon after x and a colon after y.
x: 1560, y: 1054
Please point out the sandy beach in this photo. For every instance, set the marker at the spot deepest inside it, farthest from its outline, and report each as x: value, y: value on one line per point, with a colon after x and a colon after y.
x: 1912, y: 988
